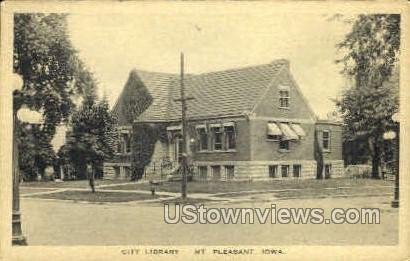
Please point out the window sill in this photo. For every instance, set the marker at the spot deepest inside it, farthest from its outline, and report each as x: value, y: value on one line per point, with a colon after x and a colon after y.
x: 216, y: 151
x: 284, y: 108
x: 326, y: 151
x: 270, y: 140
x: 283, y: 151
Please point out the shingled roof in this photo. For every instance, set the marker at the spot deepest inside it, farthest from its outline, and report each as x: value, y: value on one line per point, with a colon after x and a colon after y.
x: 216, y: 94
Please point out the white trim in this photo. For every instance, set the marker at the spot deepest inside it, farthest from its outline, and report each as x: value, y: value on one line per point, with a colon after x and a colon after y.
x: 116, y: 164
x: 227, y: 124
x: 174, y: 127
x: 124, y: 131
x: 200, y: 126
x: 283, y: 87
x: 215, y: 125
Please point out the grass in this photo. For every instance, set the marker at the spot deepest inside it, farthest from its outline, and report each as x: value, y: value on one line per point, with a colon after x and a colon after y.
x: 68, y: 184
x: 227, y: 187
x: 98, y: 196
x: 24, y: 190
x: 329, y: 193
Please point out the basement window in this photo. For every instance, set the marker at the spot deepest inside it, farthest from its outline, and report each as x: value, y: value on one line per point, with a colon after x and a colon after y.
x: 273, y: 171
x: 285, y: 171
x: 297, y: 170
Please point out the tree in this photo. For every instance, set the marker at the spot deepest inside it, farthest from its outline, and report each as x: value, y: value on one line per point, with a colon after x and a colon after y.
x: 93, y: 138
x: 371, y: 54
x: 52, y: 74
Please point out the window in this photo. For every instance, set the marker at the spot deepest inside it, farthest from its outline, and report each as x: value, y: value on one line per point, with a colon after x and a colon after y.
x: 203, y: 172
x: 124, y: 143
x: 284, y: 98
x: 216, y: 172
x: 117, y: 172
x: 127, y: 143
x: 328, y: 170
x: 229, y: 172
x: 273, y: 171
x: 274, y: 137
x: 217, y: 138
x: 203, y: 139
x: 230, y: 139
x: 297, y: 170
x: 285, y: 171
x: 326, y: 140
x: 284, y: 145
x: 119, y: 146
x: 127, y: 171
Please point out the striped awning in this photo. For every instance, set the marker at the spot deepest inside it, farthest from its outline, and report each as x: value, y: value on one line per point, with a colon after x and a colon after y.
x: 288, y: 133
x: 298, y: 129
x: 274, y: 130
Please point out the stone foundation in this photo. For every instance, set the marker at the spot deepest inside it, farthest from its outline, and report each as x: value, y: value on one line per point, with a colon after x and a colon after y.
x: 243, y: 170
x: 257, y: 170
x: 337, y: 168
x: 117, y: 170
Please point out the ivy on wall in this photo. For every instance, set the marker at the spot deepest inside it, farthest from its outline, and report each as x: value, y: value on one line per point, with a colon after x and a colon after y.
x: 135, y: 98
x: 144, y: 137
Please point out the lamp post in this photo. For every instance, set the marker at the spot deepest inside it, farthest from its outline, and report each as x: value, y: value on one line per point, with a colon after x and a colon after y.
x: 395, y: 135
x: 27, y: 115
x: 395, y: 203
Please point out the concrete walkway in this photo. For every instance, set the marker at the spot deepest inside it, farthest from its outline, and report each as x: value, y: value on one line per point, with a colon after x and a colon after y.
x: 238, y: 196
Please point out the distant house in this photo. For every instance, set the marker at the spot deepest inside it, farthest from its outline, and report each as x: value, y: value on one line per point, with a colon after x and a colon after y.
x: 250, y: 122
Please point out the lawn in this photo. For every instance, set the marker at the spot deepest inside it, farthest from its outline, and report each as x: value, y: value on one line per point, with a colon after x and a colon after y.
x: 26, y: 190
x: 98, y: 197
x: 228, y: 187
x: 69, y: 184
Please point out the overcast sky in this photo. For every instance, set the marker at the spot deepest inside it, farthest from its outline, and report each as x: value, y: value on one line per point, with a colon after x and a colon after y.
x: 111, y: 45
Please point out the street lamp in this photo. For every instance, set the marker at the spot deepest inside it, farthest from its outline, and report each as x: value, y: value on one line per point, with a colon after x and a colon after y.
x: 395, y: 135
x: 26, y: 115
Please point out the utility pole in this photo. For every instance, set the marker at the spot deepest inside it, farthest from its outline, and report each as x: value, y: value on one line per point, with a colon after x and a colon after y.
x: 184, y: 132
x: 184, y: 160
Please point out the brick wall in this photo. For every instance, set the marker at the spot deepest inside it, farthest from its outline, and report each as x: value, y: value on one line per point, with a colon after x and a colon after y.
x: 269, y: 105
x: 242, y: 151
x: 335, y: 130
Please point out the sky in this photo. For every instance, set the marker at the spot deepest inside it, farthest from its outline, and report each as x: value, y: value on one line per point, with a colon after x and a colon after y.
x: 112, y: 44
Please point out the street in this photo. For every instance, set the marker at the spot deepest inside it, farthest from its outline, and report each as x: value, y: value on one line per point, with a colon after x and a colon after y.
x: 51, y: 222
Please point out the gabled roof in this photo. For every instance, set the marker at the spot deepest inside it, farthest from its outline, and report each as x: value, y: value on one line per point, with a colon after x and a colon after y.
x: 225, y: 93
